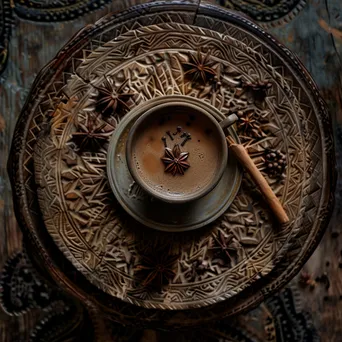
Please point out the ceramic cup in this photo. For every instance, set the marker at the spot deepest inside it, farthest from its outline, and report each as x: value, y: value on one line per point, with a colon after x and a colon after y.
x: 177, y: 151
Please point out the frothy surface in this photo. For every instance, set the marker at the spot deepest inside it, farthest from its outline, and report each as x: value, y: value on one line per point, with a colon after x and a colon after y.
x: 204, y: 150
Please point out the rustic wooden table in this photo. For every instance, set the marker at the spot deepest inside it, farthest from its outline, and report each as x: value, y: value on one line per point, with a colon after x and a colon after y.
x: 314, y: 34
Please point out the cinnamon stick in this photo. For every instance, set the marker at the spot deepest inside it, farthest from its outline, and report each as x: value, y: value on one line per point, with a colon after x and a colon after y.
x: 245, y: 160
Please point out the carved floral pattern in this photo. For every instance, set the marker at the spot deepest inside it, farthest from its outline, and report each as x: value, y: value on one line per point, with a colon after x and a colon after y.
x: 278, y: 319
x: 292, y: 121
x: 244, y: 234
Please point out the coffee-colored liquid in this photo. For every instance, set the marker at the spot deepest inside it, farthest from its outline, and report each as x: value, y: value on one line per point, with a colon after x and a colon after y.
x: 204, y: 150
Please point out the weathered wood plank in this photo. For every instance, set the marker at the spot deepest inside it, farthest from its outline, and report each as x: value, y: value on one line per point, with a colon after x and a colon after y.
x: 315, y: 35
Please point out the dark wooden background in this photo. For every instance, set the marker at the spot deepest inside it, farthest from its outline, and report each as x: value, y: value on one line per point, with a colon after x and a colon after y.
x: 315, y: 35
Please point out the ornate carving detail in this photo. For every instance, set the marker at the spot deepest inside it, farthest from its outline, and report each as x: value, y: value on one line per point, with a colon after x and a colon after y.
x: 6, y: 19
x: 279, y: 319
x: 92, y: 227
x: 139, y: 75
x: 148, y: 77
x: 22, y: 288
x: 63, y: 320
x: 153, y: 75
x: 267, y: 11
x: 48, y: 10
x: 285, y: 308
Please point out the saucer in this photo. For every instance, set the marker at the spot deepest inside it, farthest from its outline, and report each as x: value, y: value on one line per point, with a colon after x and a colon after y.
x: 153, y: 212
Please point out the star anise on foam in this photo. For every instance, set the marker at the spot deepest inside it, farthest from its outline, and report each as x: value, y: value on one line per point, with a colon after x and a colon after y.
x: 199, y: 68
x: 175, y: 160
x: 157, y: 269
x: 90, y: 137
x: 225, y: 246
x: 111, y: 98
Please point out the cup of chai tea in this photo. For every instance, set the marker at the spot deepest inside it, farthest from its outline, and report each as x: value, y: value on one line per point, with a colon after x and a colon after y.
x: 177, y: 151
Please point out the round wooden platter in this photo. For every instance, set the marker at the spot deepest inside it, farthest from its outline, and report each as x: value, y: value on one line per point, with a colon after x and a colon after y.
x: 79, y: 235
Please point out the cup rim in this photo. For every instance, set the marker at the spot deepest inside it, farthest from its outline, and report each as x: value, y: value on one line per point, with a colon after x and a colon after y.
x: 166, y: 197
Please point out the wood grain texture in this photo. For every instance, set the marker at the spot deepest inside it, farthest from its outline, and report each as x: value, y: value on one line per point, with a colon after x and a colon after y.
x: 315, y: 35
x: 32, y: 45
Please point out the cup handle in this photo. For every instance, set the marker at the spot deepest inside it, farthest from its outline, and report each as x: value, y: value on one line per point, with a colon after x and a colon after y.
x: 228, y: 121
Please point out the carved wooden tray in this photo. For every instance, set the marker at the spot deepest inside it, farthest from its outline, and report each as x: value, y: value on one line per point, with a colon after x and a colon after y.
x: 86, y: 241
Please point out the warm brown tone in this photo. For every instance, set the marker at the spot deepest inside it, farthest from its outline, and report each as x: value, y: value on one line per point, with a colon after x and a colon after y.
x: 204, y: 152
x: 66, y: 180
x: 175, y: 160
x: 166, y: 214
x: 272, y: 200
x: 331, y: 247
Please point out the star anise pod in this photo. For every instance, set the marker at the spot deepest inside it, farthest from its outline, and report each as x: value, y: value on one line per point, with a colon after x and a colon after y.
x: 224, y: 246
x: 175, y: 160
x: 111, y: 98
x: 90, y: 137
x: 249, y: 125
x: 199, y: 68
x: 157, y: 269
